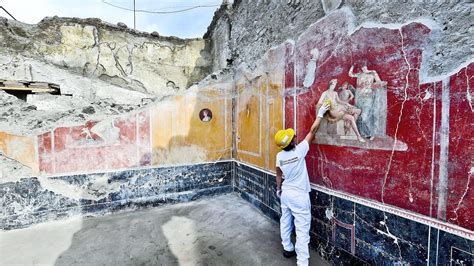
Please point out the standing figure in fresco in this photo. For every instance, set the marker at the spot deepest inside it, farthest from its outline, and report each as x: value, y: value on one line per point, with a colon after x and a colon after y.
x: 367, y: 80
x: 294, y: 190
x: 340, y: 109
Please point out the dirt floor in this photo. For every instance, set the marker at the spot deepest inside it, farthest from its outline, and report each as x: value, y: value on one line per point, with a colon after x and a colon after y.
x: 223, y: 230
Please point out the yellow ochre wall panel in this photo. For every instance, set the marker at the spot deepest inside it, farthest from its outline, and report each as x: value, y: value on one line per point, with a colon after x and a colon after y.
x: 162, y: 125
x: 20, y: 148
x: 179, y: 136
x: 249, y: 120
x: 259, y: 114
x: 215, y: 135
x: 249, y: 124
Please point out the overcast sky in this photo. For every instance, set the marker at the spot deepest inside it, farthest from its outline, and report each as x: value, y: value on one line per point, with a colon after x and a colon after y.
x: 187, y: 24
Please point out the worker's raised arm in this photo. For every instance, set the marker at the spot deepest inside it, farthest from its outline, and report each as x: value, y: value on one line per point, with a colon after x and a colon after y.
x: 322, y: 110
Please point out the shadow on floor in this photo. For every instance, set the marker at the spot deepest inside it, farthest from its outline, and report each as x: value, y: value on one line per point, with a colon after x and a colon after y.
x: 223, y: 230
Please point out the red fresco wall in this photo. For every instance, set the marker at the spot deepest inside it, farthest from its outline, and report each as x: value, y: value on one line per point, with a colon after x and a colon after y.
x: 404, y: 178
x: 461, y: 149
x: 77, y: 149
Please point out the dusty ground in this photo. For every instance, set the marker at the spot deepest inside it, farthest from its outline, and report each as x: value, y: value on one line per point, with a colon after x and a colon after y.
x: 223, y: 230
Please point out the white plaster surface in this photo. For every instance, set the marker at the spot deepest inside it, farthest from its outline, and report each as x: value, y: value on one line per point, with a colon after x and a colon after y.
x: 97, y: 188
x: 12, y: 170
x: 38, y: 245
x: 180, y: 155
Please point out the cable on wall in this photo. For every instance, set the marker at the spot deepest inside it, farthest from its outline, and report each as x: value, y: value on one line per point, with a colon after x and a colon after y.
x: 157, y: 12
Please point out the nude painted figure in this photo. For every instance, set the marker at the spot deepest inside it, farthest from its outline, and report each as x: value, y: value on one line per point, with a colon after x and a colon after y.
x: 365, y: 79
x: 346, y: 92
x: 340, y: 109
x: 346, y: 95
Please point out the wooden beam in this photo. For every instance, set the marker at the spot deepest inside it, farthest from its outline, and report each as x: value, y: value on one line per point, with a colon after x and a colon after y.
x: 28, y: 89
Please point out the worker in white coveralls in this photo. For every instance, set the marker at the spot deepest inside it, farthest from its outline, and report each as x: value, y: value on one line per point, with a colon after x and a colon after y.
x: 294, y: 192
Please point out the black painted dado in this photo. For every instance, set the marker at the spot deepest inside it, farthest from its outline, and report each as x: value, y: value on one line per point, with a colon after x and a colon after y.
x: 348, y: 233
x: 27, y: 202
x: 258, y: 188
x: 454, y: 250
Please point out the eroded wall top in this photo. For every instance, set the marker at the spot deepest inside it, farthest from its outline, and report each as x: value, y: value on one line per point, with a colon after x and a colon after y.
x: 255, y: 26
x: 120, y: 56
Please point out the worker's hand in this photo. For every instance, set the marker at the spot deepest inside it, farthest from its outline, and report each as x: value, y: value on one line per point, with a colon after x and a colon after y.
x: 322, y: 110
x: 279, y: 194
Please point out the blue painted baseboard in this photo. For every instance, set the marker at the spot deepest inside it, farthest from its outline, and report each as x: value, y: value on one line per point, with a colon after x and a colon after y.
x: 29, y: 202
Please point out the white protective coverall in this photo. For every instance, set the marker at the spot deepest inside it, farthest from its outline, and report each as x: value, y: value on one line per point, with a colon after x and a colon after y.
x: 295, y: 200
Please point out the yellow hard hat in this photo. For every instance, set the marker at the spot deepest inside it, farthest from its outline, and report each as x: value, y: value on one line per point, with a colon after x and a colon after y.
x: 283, y: 137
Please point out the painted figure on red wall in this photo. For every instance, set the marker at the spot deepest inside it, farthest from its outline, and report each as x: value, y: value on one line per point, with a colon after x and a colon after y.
x: 340, y: 110
x: 103, y: 132
x: 346, y: 94
x: 365, y: 79
x: 369, y: 97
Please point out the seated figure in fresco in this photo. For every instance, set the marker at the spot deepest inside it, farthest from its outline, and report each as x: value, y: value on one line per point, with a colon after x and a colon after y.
x: 339, y: 109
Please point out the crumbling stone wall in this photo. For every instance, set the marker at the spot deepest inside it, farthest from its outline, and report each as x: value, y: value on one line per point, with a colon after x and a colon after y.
x: 138, y: 61
x: 256, y: 26
x: 219, y: 31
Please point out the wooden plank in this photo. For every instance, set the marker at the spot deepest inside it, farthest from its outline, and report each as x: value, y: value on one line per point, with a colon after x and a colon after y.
x: 13, y: 83
x: 32, y: 86
x: 28, y: 89
x: 38, y: 85
x: 43, y: 90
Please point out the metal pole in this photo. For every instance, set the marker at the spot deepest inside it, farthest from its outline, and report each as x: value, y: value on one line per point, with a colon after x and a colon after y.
x: 134, y: 19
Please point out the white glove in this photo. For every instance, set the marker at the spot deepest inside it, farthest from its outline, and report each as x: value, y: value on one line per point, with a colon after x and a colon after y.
x: 279, y: 194
x: 324, y: 108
